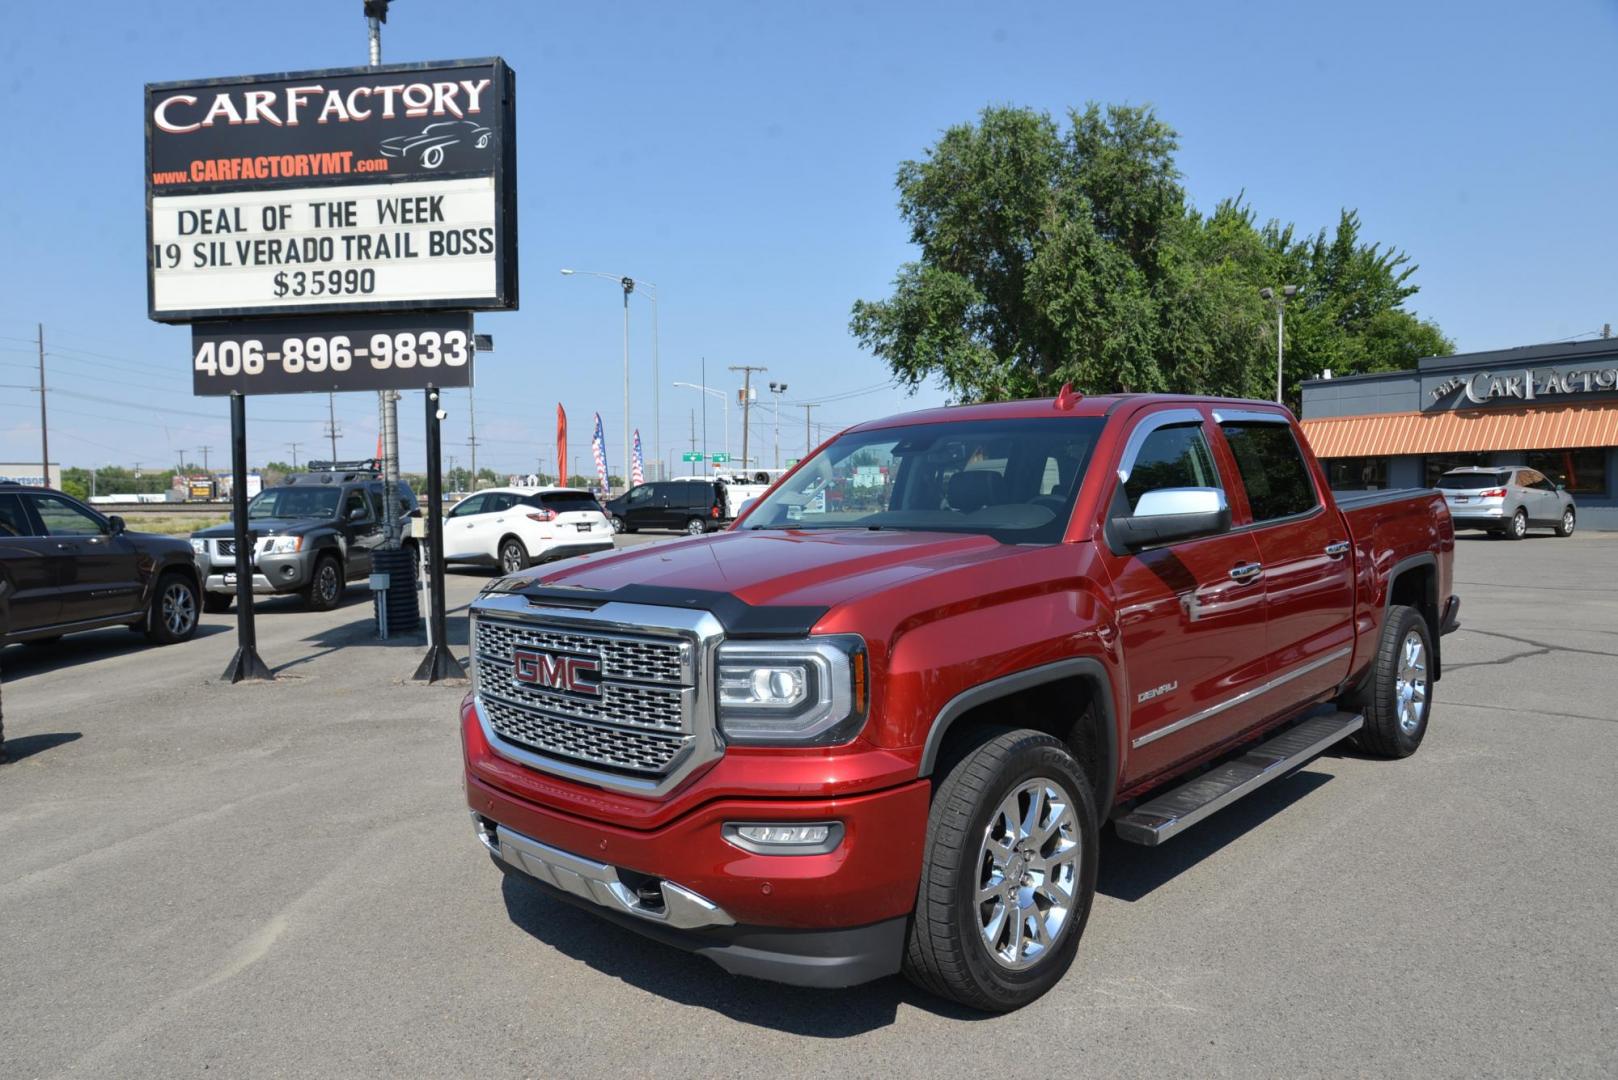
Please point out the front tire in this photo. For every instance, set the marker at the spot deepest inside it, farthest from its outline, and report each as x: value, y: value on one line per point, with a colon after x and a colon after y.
x: 1569, y: 521
x: 1008, y: 875
x: 513, y: 555
x: 1397, y: 696
x: 173, y: 617
x: 325, y: 589
x: 1519, y: 525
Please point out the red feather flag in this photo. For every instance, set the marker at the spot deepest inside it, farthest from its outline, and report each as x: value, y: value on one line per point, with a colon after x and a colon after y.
x: 561, y: 445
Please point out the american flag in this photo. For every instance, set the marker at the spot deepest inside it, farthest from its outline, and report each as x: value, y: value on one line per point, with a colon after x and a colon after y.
x: 598, y: 447
x: 637, y: 472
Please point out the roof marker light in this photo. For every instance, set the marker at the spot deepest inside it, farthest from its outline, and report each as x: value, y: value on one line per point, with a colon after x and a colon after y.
x: 1067, y: 397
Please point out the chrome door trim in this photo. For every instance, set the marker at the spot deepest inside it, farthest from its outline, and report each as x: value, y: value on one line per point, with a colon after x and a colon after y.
x: 1150, y: 423
x: 1245, y: 695
x: 1251, y: 416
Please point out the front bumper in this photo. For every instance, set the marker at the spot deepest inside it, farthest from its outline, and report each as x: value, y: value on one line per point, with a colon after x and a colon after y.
x: 271, y: 574
x: 681, y: 918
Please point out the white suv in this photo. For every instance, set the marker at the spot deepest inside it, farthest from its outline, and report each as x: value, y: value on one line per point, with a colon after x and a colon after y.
x: 514, y: 528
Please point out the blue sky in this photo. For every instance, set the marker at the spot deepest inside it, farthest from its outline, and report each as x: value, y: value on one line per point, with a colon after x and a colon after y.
x: 742, y: 156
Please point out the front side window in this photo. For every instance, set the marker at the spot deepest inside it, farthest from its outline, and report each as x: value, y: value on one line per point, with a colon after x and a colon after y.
x: 639, y: 496
x: 356, y: 501
x: 990, y: 477
x: 63, y: 518
x: 1171, y: 457
x: 472, y: 504
x: 1272, y: 469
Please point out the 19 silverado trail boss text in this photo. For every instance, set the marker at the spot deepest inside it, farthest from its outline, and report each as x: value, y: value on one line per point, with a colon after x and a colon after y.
x: 878, y: 723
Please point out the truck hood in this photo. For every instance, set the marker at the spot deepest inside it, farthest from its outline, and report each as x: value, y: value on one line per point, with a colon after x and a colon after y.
x: 258, y: 527
x: 779, y: 567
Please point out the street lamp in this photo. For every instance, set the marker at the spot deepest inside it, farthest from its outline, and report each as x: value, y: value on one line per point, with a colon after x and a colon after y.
x: 776, y: 390
x: 629, y: 285
x: 722, y: 396
x: 1280, y: 302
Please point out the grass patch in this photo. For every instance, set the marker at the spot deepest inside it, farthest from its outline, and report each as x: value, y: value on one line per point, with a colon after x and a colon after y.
x: 170, y: 524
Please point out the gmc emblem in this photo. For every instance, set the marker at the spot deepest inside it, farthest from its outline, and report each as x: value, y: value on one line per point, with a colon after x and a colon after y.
x: 580, y: 674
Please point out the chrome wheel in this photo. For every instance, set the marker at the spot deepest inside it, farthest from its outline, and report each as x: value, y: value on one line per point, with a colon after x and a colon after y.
x: 179, y: 609
x: 326, y: 582
x: 1519, y: 524
x: 511, y: 559
x: 1567, y: 522
x: 1028, y: 873
x: 695, y: 527
x: 1410, y: 687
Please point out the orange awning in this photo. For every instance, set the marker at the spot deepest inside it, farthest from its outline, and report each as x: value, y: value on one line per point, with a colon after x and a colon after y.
x: 1553, y: 427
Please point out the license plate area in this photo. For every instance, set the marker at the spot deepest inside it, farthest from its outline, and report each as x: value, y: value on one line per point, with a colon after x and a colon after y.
x: 584, y: 526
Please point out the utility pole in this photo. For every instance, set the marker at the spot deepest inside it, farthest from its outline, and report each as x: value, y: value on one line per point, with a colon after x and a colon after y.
x: 294, y: 447
x: 203, y: 450
x: 808, y: 443
x: 472, y: 437
x: 332, y: 430
x: 747, y: 401
x: 44, y: 437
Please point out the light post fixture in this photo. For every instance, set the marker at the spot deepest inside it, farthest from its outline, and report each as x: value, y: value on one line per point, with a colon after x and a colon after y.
x: 629, y: 285
x: 776, y: 390
x: 1280, y: 302
x: 722, y: 396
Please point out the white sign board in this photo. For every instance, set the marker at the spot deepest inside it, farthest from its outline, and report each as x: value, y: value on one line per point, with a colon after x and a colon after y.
x: 363, y: 245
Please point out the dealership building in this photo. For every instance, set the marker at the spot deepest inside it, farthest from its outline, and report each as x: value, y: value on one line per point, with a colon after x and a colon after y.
x: 1552, y: 408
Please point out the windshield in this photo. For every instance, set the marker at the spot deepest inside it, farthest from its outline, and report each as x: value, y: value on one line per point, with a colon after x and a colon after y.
x: 1014, y: 480
x: 294, y: 502
x: 1469, y: 481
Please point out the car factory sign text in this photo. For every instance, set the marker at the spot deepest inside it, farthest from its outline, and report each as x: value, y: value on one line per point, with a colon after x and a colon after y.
x: 366, y: 189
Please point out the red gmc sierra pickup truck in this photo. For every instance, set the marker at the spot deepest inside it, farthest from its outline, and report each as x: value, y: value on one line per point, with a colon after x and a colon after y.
x: 877, y: 724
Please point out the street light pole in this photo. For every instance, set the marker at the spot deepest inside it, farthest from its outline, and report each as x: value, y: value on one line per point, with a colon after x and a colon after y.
x: 629, y: 287
x: 629, y: 284
x: 1280, y: 302
x: 776, y: 390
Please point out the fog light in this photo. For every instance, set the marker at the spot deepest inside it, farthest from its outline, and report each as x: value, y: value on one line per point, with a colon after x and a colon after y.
x: 785, y: 838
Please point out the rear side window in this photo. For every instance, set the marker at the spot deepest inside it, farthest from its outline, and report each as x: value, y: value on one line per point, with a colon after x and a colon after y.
x: 564, y: 502
x: 1472, y: 481
x: 1171, y: 457
x: 1272, y: 469
x: 13, y: 517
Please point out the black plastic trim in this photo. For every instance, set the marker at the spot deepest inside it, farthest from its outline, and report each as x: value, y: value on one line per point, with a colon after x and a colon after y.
x: 739, y: 618
x: 824, y: 959
x: 1006, y: 685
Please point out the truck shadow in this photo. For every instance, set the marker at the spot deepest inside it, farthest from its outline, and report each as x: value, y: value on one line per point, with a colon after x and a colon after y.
x: 1130, y: 872
x: 15, y: 749
x: 691, y: 980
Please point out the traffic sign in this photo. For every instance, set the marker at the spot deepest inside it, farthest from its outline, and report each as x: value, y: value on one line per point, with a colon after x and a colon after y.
x: 691, y: 455
x: 720, y: 459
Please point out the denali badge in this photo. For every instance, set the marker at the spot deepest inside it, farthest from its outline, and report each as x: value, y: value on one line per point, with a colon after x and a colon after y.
x: 1157, y: 691
x: 579, y: 674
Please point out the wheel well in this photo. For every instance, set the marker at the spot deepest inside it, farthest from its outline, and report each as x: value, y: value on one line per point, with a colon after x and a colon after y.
x: 1075, y: 708
x: 1417, y: 587
x: 510, y: 536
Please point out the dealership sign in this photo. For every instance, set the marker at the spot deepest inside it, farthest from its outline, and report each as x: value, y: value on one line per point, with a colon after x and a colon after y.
x: 1529, y: 384
x: 354, y: 190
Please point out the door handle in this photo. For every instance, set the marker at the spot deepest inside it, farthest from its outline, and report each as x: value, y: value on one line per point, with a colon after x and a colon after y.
x: 1245, y: 572
x: 1337, y: 548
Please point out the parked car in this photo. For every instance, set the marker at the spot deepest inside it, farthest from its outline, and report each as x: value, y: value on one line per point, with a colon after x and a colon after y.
x: 515, y: 527
x: 312, y: 536
x: 692, y: 506
x: 65, y: 568
x: 1506, y: 500
x: 845, y: 738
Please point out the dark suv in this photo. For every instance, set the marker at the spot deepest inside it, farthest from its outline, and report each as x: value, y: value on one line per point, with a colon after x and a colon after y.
x: 65, y: 568
x: 311, y: 536
x: 693, y: 506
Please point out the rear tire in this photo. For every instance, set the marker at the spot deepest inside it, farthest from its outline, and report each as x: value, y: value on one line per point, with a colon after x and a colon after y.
x: 618, y: 525
x: 1519, y: 525
x: 173, y: 617
x: 217, y: 603
x: 326, y: 585
x: 1568, y: 523
x: 982, y: 933
x: 513, y: 556
x: 696, y: 527
x: 1396, y: 699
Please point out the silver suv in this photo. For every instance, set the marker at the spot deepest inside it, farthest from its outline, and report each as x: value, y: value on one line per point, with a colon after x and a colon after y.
x: 1506, y: 500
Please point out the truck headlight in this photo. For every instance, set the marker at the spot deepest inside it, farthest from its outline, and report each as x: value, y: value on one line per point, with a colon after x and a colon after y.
x: 200, y: 547
x: 282, y: 545
x: 809, y: 692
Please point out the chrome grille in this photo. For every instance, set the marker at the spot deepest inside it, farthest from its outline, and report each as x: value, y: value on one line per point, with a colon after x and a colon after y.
x: 612, y: 747
x: 634, y: 659
x: 641, y: 722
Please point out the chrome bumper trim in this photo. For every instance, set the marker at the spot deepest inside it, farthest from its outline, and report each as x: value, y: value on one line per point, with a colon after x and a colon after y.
x: 598, y: 882
x: 1246, y: 695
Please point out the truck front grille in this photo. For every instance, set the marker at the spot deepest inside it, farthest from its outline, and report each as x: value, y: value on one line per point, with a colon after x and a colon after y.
x: 636, y: 715
x: 227, y: 548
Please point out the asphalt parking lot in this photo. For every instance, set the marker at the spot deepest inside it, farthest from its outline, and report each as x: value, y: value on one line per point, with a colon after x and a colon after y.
x: 281, y: 880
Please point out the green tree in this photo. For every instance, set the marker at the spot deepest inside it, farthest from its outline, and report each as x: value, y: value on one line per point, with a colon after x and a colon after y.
x: 1048, y: 255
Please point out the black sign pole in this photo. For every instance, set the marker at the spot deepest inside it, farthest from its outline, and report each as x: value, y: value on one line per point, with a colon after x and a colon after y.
x: 440, y: 662
x: 246, y: 663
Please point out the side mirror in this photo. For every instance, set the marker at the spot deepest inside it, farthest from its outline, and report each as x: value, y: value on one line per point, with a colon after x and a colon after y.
x: 1170, y: 514
x: 115, y: 525
x: 356, y: 513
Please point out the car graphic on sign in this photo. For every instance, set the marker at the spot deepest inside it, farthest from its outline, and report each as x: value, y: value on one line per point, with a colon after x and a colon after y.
x: 428, y: 144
